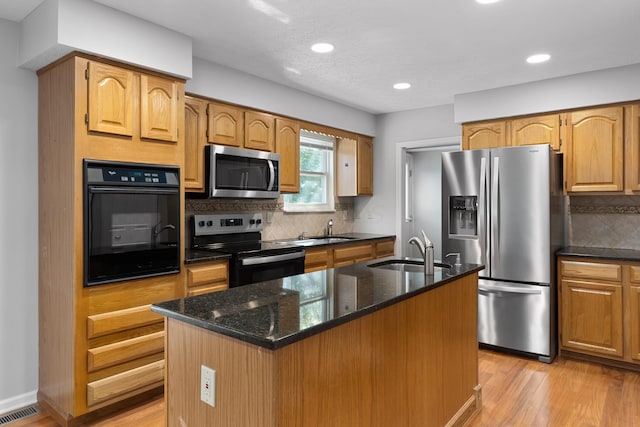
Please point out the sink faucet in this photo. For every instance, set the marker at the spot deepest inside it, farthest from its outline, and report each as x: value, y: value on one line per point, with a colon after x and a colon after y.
x: 330, y: 227
x: 301, y: 236
x: 426, y: 250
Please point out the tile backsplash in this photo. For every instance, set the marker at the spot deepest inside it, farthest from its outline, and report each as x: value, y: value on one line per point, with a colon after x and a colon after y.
x: 278, y: 224
x: 604, y: 221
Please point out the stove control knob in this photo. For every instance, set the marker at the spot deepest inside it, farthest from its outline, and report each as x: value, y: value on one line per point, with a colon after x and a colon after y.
x: 209, y: 223
x: 200, y: 223
x: 258, y: 221
x: 252, y: 221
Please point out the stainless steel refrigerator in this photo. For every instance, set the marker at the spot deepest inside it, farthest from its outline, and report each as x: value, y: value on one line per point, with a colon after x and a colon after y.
x: 504, y: 208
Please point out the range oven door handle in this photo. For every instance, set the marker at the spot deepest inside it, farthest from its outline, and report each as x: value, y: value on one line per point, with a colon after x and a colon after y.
x: 271, y: 258
x: 508, y: 289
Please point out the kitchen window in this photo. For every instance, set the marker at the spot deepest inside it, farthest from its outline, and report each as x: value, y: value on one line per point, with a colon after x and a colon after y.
x: 316, y: 175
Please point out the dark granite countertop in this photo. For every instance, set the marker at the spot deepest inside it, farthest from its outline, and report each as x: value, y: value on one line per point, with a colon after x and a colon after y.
x: 279, y: 312
x: 601, y: 253
x: 196, y: 255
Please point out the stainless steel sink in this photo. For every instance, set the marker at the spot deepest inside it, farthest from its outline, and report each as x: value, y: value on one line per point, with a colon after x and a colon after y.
x: 408, y: 265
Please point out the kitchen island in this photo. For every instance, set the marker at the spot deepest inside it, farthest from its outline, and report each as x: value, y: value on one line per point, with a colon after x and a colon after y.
x: 350, y: 346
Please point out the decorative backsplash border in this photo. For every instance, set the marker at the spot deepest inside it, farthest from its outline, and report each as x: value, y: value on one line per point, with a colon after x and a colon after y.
x: 200, y: 206
x: 604, y: 205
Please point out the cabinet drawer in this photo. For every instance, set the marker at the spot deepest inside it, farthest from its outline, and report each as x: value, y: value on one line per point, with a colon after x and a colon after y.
x: 205, y: 274
x: 634, y: 274
x: 316, y: 259
x: 123, y: 351
x: 352, y: 253
x: 122, y: 384
x: 592, y: 270
x: 385, y: 248
x: 121, y: 320
x: 199, y: 290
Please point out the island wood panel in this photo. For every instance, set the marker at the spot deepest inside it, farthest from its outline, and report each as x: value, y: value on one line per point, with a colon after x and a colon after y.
x: 412, y: 363
x: 244, y: 379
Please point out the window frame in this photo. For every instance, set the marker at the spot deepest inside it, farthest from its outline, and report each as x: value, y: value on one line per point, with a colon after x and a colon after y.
x: 311, y: 139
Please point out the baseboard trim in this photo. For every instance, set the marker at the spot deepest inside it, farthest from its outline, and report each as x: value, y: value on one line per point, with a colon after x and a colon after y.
x: 18, y: 402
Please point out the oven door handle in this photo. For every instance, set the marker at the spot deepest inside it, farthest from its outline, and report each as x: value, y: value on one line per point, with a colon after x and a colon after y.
x: 271, y: 258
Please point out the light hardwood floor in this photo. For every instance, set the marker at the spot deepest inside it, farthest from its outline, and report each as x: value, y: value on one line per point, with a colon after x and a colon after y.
x: 515, y: 392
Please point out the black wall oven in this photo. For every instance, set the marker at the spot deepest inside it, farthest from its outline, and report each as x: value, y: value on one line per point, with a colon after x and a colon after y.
x: 131, y: 221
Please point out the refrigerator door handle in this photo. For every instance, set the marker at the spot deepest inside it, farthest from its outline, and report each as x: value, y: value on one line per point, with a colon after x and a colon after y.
x: 482, y: 224
x: 508, y: 289
x: 495, y: 214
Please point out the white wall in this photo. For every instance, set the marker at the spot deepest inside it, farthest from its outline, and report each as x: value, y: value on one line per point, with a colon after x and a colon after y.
x: 377, y: 214
x: 225, y: 84
x: 580, y: 90
x: 57, y: 27
x: 18, y: 226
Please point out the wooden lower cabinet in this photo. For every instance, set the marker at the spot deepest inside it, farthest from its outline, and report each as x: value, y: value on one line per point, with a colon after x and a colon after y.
x: 599, y: 302
x: 346, y: 254
x: 207, y: 277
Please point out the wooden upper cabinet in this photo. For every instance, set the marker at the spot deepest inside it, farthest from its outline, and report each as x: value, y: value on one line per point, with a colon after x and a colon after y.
x: 258, y: 131
x: 288, y: 146
x: 484, y: 135
x: 111, y: 98
x: 536, y: 130
x: 195, y: 138
x: 365, y: 165
x: 158, y: 108
x: 226, y: 125
x: 632, y: 151
x: 595, y: 150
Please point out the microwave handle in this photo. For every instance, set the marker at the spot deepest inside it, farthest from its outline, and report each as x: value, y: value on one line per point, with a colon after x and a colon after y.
x: 272, y: 174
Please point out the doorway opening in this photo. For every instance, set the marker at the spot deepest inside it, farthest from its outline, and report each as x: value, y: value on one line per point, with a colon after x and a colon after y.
x: 418, y: 189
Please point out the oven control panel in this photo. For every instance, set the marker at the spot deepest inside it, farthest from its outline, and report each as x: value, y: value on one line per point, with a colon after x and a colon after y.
x: 226, y: 223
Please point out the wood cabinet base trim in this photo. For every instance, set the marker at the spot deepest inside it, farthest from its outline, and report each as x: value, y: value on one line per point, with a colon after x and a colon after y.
x: 467, y: 410
x: 600, y: 360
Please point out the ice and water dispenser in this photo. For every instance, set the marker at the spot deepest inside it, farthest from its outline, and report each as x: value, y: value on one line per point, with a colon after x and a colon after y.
x: 463, y: 216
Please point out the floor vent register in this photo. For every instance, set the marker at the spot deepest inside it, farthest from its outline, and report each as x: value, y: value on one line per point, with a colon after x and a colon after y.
x: 18, y: 415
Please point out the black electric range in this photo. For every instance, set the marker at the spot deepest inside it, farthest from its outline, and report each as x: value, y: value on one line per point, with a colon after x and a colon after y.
x: 251, y: 260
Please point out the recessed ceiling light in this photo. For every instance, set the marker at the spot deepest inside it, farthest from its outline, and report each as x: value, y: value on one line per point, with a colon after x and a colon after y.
x: 402, y: 86
x: 536, y: 59
x: 322, y: 47
x: 487, y: 1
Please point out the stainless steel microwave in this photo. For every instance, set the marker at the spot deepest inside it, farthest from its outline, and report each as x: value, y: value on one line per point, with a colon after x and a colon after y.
x: 240, y: 173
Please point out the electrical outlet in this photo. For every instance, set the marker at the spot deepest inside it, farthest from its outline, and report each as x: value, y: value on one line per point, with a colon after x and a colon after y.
x: 208, y: 385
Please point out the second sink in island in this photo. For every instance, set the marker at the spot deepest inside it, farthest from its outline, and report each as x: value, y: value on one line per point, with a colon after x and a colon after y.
x: 348, y: 346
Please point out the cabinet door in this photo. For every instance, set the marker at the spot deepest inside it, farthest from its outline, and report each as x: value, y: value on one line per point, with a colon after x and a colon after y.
x: 288, y: 146
x: 258, y: 131
x: 536, y: 130
x: 110, y: 104
x: 595, y: 150
x: 632, y: 152
x: 634, y: 329
x: 592, y: 318
x: 346, y: 169
x: 158, y: 108
x: 365, y: 166
x: 195, y: 139
x: 484, y: 135
x: 226, y: 125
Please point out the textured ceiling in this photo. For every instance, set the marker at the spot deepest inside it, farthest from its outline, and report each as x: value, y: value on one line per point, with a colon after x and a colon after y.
x: 441, y: 47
